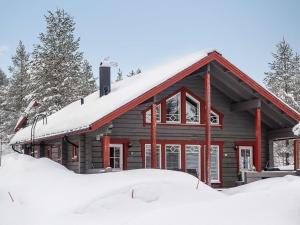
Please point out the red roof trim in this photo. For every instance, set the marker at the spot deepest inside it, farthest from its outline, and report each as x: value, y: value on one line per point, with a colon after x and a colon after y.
x: 177, y: 77
x: 254, y: 85
x: 213, y: 56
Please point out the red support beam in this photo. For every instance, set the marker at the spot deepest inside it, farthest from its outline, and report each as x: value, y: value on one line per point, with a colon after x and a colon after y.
x: 296, y: 154
x: 153, y: 136
x: 207, y: 108
x: 105, y: 151
x: 258, y: 139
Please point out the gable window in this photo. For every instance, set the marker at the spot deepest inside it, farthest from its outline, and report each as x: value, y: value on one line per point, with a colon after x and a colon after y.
x: 192, y: 109
x: 214, y: 163
x: 182, y: 108
x: 158, y: 114
x: 173, y: 114
x: 173, y: 157
x: 148, y: 156
x: 214, y: 118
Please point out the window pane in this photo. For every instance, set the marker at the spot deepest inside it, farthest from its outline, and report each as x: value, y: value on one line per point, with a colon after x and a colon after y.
x: 214, y: 162
x: 148, y: 155
x: 173, y: 108
x: 192, y: 158
x: 158, y: 114
x: 192, y: 110
x: 173, y: 157
x: 214, y: 118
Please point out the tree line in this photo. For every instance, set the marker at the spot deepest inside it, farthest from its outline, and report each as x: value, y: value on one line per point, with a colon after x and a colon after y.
x: 54, y: 74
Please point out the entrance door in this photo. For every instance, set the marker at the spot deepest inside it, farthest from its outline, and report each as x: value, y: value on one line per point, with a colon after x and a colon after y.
x: 246, y: 158
x: 116, y: 156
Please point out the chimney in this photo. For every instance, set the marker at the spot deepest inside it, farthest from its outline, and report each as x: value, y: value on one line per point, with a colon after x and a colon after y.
x: 104, y: 78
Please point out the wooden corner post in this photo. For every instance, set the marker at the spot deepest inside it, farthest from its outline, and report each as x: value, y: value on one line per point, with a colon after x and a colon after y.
x: 105, y: 151
x: 258, y: 139
x: 207, y: 108
x: 153, y: 136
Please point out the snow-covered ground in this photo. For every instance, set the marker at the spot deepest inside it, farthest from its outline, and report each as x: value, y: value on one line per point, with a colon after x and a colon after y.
x: 46, y: 193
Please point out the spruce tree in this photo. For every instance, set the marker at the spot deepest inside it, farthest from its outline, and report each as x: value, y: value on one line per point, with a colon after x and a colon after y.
x: 56, y: 67
x: 3, y: 102
x: 119, y: 75
x: 131, y: 73
x: 283, y: 79
x: 88, y: 83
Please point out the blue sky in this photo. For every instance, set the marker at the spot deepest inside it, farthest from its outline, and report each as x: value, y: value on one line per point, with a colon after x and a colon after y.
x: 147, y: 33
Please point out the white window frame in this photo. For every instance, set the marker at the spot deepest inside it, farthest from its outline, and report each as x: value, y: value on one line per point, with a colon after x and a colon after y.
x: 179, y: 109
x: 121, y: 156
x: 244, y: 147
x: 218, y: 163
x: 199, y: 106
x: 218, y: 118
x: 199, y: 165
x: 179, y: 158
x: 148, y: 113
x: 157, y: 145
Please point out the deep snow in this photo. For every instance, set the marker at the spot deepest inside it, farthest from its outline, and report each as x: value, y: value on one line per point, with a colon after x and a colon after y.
x: 45, y: 193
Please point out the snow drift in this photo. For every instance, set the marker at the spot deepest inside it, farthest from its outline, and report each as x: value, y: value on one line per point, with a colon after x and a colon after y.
x: 44, y: 192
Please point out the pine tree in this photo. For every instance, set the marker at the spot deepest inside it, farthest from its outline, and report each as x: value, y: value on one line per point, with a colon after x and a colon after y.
x: 138, y: 71
x: 283, y: 79
x: 56, y: 67
x: 131, y: 73
x: 119, y: 75
x: 3, y: 112
x: 3, y: 78
x: 88, y: 83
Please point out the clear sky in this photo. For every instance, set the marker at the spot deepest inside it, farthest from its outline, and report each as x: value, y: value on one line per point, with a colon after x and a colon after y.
x: 147, y: 33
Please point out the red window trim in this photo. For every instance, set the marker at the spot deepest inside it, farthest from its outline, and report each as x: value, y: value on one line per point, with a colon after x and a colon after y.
x: 183, y: 91
x: 163, y: 142
x: 125, y: 142
x: 237, y: 144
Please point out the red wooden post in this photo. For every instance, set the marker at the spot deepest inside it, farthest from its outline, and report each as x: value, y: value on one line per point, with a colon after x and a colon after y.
x: 207, y: 108
x: 296, y: 154
x: 153, y: 136
x: 105, y: 151
x: 258, y: 139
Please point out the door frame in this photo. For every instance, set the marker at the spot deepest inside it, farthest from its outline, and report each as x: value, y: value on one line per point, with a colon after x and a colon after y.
x: 121, y: 155
x: 248, y: 147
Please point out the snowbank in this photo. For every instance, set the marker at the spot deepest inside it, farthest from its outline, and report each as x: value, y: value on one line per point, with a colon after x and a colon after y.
x: 45, y: 193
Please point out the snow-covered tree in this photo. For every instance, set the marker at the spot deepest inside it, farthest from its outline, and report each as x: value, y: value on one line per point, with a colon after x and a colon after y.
x: 3, y: 112
x: 88, y: 83
x: 131, y: 73
x: 119, y: 75
x: 56, y: 65
x: 17, y: 93
x: 3, y: 78
x: 283, y: 79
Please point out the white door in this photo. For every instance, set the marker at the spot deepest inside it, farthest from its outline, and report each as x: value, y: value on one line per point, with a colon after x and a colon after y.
x: 116, y: 156
x: 246, y: 158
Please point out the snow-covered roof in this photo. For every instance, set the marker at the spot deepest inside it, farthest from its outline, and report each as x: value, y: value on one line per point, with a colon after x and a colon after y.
x: 75, y: 117
x: 296, y: 129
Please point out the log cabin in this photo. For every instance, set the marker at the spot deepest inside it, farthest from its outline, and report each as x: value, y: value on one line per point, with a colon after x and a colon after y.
x: 168, y: 118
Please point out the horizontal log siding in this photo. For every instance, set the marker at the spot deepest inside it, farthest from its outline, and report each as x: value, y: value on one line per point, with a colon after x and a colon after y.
x: 237, y: 126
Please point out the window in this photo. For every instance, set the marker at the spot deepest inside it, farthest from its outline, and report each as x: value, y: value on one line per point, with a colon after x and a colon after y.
x: 192, y: 157
x: 192, y: 109
x: 173, y: 109
x: 173, y: 157
x: 182, y: 107
x: 214, y: 118
x: 116, y: 156
x: 148, y: 156
x: 246, y: 158
x: 214, y: 163
x: 158, y: 114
